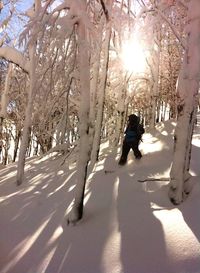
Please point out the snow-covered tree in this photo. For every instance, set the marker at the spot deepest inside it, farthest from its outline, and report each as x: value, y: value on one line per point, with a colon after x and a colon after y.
x: 73, y: 90
x: 78, y: 10
x: 101, y: 93
x: 29, y: 108
x: 187, y: 98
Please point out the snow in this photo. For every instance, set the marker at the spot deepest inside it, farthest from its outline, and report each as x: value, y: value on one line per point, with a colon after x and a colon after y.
x: 128, y: 227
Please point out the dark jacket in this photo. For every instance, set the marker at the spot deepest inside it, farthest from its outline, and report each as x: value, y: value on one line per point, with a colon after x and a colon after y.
x: 134, y: 129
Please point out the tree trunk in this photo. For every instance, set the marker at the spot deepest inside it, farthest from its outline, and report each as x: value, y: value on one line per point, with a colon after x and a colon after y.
x: 5, y: 157
x: 83, y: 156
x: 4, y: 96
x: 61, y: 128
x: 101, y: 98
x: 29, y: 108
x: 27, y: 123
x: 120, y: 112
x: 17, y: 138
x: 187, y: 94
x: 94, y: 86
x: 155, y: 86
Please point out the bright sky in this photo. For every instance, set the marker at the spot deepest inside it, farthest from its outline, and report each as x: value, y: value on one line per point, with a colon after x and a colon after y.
x: 15, y: 25
x: 24, y: 4
x: 133, y: 56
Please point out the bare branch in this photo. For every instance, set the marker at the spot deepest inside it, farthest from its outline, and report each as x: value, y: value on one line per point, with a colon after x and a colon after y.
x: 154, y: 179
x: 172, y: 27
x: 14, y: 56
x: 104, y: 9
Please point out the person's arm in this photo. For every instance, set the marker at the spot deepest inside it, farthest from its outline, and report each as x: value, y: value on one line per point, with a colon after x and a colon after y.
x: 141, y: 129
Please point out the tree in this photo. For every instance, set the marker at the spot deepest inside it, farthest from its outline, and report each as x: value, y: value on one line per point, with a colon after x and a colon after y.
x: 64, y: 68
x: 84, y: 74
x: 187, y: 97
x: 101, y: 93
x: 29, y: 108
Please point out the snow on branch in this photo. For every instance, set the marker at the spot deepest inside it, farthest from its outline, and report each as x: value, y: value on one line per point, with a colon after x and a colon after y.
x: 171, y: 26
x: 146, y: 10
x: 14, y: 56
x: 61, y: 7
x: 75, y: 13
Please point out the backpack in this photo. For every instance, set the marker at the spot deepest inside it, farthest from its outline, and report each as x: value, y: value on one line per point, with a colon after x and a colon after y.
x: 132, y: 135
x: 140, y: 131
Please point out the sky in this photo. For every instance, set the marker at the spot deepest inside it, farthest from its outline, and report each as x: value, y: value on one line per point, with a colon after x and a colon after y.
x: 128, y: 226
x: 25, y: 4
x: 15, y: 25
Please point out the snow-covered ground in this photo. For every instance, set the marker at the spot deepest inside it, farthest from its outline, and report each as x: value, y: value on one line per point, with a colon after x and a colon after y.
x: 128, y: 226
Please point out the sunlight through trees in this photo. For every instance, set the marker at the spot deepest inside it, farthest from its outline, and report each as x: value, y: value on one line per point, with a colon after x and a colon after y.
x: 72, y: 71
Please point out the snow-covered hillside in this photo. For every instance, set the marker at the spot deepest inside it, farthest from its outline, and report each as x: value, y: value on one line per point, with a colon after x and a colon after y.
x: 128, y: 226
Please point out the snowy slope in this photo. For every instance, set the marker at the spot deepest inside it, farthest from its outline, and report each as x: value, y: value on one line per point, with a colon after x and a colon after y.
x: 128, y: 227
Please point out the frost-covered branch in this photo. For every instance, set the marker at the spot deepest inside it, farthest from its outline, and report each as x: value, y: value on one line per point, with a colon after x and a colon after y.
x: 12, y: 55
x: 146, y: 10
x: 171, y: 26
x: 62, y: 6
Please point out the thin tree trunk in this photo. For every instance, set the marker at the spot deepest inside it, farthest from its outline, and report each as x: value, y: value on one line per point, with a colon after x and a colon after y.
x: 4, y: 99
x: 155, y: 87
x: 101, y: 97
x: 18, y: 134
x: 120, y: 113
x: 187, y: 91
x: 94, y: 86
x: 28, y: 119
x: 5, y: 158
x: 4, y: 96
x: 29, y: 108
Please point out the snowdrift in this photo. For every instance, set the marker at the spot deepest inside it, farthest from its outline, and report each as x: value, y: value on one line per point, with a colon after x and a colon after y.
x: 128, y: 227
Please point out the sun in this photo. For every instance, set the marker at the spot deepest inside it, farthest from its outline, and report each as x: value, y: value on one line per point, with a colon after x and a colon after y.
x: 133, y: 57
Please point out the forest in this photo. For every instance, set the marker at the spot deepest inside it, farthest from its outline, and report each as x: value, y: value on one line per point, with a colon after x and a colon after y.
x: 71, y: 72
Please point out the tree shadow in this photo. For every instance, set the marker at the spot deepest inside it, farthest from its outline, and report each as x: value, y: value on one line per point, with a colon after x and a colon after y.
x: 76, y: 251
x: 39, y: 240
x: 32, y: 215
x: 190, y: 209
x: 142, y: 235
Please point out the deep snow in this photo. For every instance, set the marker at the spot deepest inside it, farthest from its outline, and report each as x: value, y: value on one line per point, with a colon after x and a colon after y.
x: 128, y: 227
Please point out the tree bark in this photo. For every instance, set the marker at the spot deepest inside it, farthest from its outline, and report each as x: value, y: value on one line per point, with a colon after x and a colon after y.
x: 187, y: 94
x: 4, y: 99
x: 101, y: 98
x: 29, y: 108
x: 28, y: 120
x: 17, y: 138
x: 94, y: 86
x: 83, y: 156
x: 155, y: 75
x: 4, y: 96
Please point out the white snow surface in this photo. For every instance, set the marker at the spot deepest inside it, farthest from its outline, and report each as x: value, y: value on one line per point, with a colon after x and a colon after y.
x: 128, y: 226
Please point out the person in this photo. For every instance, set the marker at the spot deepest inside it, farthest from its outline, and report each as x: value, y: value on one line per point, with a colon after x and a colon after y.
x: 133, y: 135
